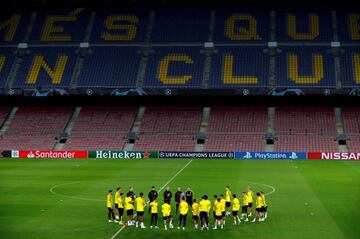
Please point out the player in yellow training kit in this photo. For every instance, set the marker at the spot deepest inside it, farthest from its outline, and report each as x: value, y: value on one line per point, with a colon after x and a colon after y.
x: 140, y: 205
x: 183, y: 208
x: 259, y: 205
x: 215, y: 201
x: 154, y: 213
x: 228, y: 200
x: 121, y: 208
x: 117, y: 196
x: 109, y: 205
x: 129, y: 207
x: 223, y: 208
x: 204, y: 208
x: 250, y: 199
x: 235, y: 210
x: 244, y: 207
x: 195, y: 213
x: 166, y: 212
x: 218, y: 210
x: 265, y: 205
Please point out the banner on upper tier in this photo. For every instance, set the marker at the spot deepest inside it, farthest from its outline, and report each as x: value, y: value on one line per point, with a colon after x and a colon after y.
x: 48, y: 154
x: 215, y: 155
x: 271, y: 155
x: 109, y: 154
x: 333, y: 156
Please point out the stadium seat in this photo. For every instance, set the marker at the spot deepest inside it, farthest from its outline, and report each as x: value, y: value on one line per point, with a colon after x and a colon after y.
x: 35, y: 127
x: 306, y: 143
x: 171, y: 120
x: 233, y: 143
x: 303, y: 25
x: 181, y: 25
x: 109, y: 126
x: 306, y: 66
x: 46, y: 67
x: 238, y: 120
x: 167, y: 142
x: 239, y: 67
x: 7, y: 56
x: 175, y: 67
x: 305, y: 120
x: 95, y: 142
x: 353, y: 143
x: 110, y: 67
x: 351, y: 120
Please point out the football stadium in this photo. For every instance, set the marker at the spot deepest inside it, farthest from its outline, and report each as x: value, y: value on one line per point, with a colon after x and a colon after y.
x: 179, y: 119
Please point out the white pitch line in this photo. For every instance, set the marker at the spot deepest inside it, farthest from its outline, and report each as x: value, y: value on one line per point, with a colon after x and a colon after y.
x: 162, y: 188
x: 52, y: 190
x: 263, y: 184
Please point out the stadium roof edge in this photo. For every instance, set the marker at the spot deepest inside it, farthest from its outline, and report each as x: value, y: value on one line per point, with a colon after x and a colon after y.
x: 190, y: 3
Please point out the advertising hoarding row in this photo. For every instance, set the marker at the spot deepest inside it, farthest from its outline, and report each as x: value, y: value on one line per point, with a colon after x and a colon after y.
x: 113, y: 154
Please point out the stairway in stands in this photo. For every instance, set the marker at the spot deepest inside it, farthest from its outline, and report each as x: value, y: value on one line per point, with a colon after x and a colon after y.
x: 128, y: 146
x: 203, y: 127
x: 68, y: 128
x: 270, y: 128
x: 340, y: 127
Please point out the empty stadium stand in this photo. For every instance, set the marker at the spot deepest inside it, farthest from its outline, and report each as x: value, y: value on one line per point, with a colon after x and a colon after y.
x: 305, y: 120
x: 164, y: 48
x: 351, y: 119
x: 171, y: 120
x: 233, y: 143
x: 166, y: 51
x: 169, y: 128
x: 101, y: 128
x: 306, y: 128
x: 238, y: 120
x: 236, y: 128
x: 96, y: 141
x: 353, y: 143
x: 175, y: 128
x: 307, y: 143
x: 168, y: 142
x: 35, y: 128
x: 3, y: 113
x: 110, y: 70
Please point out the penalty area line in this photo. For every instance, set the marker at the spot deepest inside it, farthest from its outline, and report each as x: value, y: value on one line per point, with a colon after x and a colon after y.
x: 162, y: 188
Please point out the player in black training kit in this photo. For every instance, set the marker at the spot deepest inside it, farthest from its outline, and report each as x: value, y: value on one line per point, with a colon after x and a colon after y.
x: 167, y: 195
x: 153, y: 194
x: 130, y: 193
x: 178, y: 195
x: 189, y: 194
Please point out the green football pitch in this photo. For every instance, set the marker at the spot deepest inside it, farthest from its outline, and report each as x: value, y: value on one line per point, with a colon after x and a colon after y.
x: 66, y: 198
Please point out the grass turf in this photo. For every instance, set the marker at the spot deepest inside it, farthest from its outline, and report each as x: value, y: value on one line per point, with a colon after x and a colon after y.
x: 329, y: 189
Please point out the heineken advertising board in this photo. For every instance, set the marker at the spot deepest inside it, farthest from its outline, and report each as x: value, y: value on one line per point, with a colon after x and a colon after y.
x: 109, y: 154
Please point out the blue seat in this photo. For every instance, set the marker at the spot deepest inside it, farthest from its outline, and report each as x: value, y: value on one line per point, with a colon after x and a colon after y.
x: 114, y: 67
x: 249, y: 68
x: 184, y: 68
x: 233, y: 26
x: 181, y: 25
x: 348, y: 25
x: 132, y: 26
x: 306, y: 74
x: 350, y: 73
x: 302, y: 22
x: 53, y: 58
x: 71, y: 25
x: 7, y: 56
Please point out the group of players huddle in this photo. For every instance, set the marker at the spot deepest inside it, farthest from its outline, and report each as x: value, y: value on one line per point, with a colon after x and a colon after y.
x: 222, y: 206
